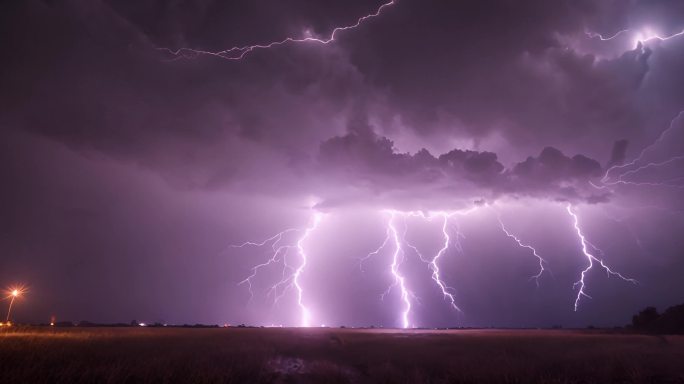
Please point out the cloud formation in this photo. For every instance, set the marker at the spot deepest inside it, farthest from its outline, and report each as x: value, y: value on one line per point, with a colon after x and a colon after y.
x: 444, y: 78
x: 119, y: 164
x: 372, y: 163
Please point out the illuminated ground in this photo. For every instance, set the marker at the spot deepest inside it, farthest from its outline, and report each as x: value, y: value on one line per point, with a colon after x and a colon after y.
x: 236, y: 355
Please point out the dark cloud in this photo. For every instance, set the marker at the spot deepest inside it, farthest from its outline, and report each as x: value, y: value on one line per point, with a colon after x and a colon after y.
x: 372, y: 162
x: 558, y: 176
x: 426, y: 74
x: 618, y: 154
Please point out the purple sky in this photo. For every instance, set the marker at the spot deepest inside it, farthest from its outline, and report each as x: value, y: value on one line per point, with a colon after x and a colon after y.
x: 129, y: 169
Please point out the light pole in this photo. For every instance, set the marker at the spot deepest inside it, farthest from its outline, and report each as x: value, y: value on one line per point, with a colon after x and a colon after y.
x: 13, y: 294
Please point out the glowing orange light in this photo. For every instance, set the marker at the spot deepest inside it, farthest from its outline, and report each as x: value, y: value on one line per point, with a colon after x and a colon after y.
x: 15, y: 291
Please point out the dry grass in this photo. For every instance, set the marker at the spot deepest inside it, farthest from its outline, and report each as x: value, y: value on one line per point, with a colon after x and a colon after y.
x: 263, y: 355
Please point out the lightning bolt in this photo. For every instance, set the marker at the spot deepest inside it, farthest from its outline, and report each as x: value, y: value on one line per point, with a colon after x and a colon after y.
x: 531, y: 248
x: 278, y: 256
x: 448, y: 241
x: 593, y: 35
x: 305, y: 313
x: 399, y: 280
x: 388, y: 235
x: 290, y: 277
x: 639, y: 37
x: 239, y: 52
x: 433, y: 262
x: 607, y: 180
x: 591, y: 259
x: 643, y: 152
x: 647, y: 36
x: 392, y: 234
x: 446, y: 290
x: 666, y: 183
x: 399, y: 240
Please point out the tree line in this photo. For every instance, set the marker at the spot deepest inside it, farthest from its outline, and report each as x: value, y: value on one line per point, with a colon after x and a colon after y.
x: 649, y: 320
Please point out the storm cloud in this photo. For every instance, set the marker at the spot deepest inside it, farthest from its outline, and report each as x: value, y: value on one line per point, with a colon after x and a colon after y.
x: 371, y: 162
x: 123, y: 162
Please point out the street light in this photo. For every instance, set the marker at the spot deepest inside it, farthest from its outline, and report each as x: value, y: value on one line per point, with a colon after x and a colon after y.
x: 13, y: 294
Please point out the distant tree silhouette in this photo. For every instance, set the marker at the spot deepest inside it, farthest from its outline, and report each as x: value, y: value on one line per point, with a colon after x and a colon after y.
x: 671, y: 321
x: 645, y: 319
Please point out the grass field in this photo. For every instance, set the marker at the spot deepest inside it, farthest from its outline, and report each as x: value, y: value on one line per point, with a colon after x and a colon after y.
x: 277, y: 355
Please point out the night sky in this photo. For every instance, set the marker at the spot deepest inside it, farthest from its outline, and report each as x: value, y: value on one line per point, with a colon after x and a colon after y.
x: 136, y: 152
